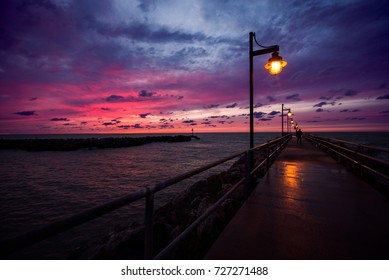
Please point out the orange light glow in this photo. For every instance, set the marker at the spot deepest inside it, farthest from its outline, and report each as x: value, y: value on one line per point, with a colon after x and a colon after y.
x: 275, y: 64
x: 291, y: 172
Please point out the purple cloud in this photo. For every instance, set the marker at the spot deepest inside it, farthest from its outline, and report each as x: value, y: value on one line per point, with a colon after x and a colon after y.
x: 350, y: 92
x: 115, y: 98
x: 270, y: 98
x: 386, y: 96
x: 145, y: 93
x: 294, y: 97
x: 320, y: 104
x: 25, y: 113
x: 273, y: 113
x: 59, y: 119
x: 143, y: 116
x: 211, y: 106
x: 232, y: 105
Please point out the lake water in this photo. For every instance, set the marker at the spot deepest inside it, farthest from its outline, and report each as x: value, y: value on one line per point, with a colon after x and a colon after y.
x: 38, y: 188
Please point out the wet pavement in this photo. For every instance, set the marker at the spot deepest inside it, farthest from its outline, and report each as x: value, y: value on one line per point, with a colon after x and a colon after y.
x: 307, y: 207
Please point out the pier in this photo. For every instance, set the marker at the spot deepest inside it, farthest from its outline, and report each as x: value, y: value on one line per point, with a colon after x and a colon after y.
x: 307, y: 207
x: 296, y: 202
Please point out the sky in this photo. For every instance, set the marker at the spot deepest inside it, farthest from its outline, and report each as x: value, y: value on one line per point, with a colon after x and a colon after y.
x: 170, y: 66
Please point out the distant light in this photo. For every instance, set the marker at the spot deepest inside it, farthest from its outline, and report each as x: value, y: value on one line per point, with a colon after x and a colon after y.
x: 275, y: 64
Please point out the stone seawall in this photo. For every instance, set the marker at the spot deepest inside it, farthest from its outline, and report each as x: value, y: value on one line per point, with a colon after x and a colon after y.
x: 88, y: 143
x: 174, y: 217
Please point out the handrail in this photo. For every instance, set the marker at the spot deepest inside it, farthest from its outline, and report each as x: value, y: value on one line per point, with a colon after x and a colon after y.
x: 356, y: 152
x: 380, y: 149
x: 32, y: 237
x: 356, y: 157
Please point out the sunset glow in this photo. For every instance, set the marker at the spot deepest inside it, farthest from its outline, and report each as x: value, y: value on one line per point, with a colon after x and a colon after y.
x: 170, y: 66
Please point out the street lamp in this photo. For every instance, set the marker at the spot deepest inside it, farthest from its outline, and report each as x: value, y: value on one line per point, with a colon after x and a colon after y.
x: 274, y: 66
x: 289, y: 114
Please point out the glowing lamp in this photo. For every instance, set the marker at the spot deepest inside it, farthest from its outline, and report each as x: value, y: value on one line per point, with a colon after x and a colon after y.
x: 275, y: 64
x: 289, y: 113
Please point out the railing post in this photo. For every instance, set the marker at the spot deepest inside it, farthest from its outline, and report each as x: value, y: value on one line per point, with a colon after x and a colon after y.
x: 148, y: 235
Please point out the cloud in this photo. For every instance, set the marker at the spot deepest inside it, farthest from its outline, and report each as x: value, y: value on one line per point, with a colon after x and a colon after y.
x: 188, y: 121
x: 355, y: 119
x: 320, y: 104
x: 232, y: 105
x: 104, y: 109
x: 25, y: 113
x: 350, y: 92
x: 137, y: 126
x: 350, y: 111
x: 259, y: 115
x: 273, y: 113
x: 211, y: 106
x: 145, y: 93
x: 386, y: 96
x: 115, y: 98
x: 324, y: 103
x: 320, y: 110
x: 143, y: 116
x: 258, y: 105
x: 270, y: 98
x: 59, y: 119
x: 33, y: 99
x: 294, y: 97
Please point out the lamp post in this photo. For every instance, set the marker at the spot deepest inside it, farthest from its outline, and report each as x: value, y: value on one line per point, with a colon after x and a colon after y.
x: 289, y: 114
x: 274, y: 66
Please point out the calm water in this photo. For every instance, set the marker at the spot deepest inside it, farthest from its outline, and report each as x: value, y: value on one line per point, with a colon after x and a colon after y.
x: 37, y: 188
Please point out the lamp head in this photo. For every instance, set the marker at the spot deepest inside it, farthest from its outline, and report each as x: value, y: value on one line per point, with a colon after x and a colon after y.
x: 289, y: 113
x: 275, y: 64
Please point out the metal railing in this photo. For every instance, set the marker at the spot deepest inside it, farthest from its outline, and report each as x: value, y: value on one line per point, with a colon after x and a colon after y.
x: 272, y: 148
x: 362, y: 158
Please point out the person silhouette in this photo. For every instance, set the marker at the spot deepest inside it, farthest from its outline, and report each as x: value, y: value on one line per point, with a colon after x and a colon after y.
x: 299, y: 133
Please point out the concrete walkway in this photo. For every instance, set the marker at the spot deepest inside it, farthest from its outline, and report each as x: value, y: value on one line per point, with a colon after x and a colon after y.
x: 307, y: 207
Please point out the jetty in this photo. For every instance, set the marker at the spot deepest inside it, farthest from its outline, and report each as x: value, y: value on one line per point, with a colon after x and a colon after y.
x: 307, y: 206
x: 72, y: 144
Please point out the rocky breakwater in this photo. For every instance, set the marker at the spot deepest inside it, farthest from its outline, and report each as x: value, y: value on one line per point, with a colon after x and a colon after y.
x: 174, y: 217
x: 72, y: 144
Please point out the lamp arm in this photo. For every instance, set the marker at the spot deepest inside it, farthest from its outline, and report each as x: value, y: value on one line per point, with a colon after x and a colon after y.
x: 262, y: 46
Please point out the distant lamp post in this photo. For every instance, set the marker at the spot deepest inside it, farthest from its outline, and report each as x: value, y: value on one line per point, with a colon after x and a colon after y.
x: 274, y: 66
x: 289, y: 114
